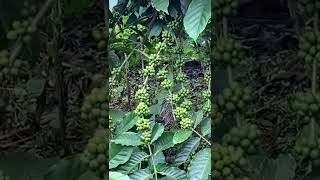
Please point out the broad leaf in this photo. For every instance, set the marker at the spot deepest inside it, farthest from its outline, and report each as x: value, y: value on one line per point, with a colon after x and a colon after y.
x: 197, y: 118
x: 181, y: 135
x: 121, y: 157
x: 35, y: 86
x: 135, y: 159
x: 171, y: 172
x: 163, y: 143
x: 89, y: 175
x: 185, y: 151
x: 200, y: 166
x: 127, y: 123
x: 157, y: 159
x: 205, y: 126
x: 197, y: 17
x: 112, y: 4
x: 141, y: 174
x: 160, y: 5
x: 128, y: 139
x: 157, y: 131
x: 118, y: 176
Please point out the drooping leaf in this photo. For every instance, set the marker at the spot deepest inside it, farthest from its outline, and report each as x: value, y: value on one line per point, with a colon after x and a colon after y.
x: 163, y: 143
x: 157, y: 159
x: 197, y: 118
x: 121, y: 157
x: 186, y: 149
x: 118, y: 176
x: 157, y: 131
x: 184, y: 5
x: 171, y: 172
x: 141, y: 174
x: 181, y: 135
x: 135, y: 159
x: 65, y: 169
x: 197, y: 17
x: 127, y: 123
x: 128, y: 139
x: 160, y: 5
x: 205, y: 126
x: 112, y: 4
x: 200, y: 166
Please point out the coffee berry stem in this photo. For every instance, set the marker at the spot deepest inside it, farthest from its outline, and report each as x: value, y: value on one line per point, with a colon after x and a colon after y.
x: 201, y: 136
x: 174, y: 117
x: 154, y: 166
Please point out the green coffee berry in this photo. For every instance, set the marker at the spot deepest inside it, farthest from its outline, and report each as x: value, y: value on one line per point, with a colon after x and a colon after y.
x: 142, y: 109
x: 166, y: 84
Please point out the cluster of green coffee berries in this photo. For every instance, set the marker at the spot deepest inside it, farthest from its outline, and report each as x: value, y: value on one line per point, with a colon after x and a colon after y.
x: 100, y: 36
x: 14, y: 69
x: 149, y: 70
x: 142, y: 95
x: 183, y: 93
x: 146, y: 137
x: 143, y: 123
x: 305, y: 106
x: 142, y: 109
x: 234, y: 99
x: 3, y: 176
x: 166, y: 84
x: 173, y: 24
x: 245, y: 137
x: 309, y: 46
x: 308, y: 7
x: 162, y: 74
x: 22, y: 30
x: 154, y: 59
x: 181, y: 77
x: 166, y: 36
x: 228, y: 51
x: 308, y: 148
x: 224, y: 8
x: 187, y: 104
x: 186, y: 122
x: 206, y: 108
x: 228, y: 163
x: 95, y: 154
x: 206, y: 95
x: 180, y: 112
x: 94, y: 107
x: 160, y: 46
x: 112, y: 125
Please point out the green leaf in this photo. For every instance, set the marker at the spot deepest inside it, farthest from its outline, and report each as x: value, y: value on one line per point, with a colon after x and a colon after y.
x: 160, y: 5
x: 171, y: 172
x: 129, y: 120
x: 205, y: 126
x: 157, y: 159
x: 121, y: 157
x: 197, y: 17
x: 118, y: 176
x: 282, y: 168
x: 112, y: 4
x: 157, y: 130
x: 197, y: 118
x: 181, y: 135
x: 187, y: 148
x: 155, y: 30
x: 200, y: 166
x: 163, y: 143
x: 35, y: 86
x: 128, y: 139
x: 135, y: 159
x: 141, y: 174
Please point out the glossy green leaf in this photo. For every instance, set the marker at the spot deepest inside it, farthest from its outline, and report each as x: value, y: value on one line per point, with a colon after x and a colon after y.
x: 186, y: 149
x: 118, y: 176
x: 160, y: 5
x: 128, y: 139
x: 121, y: 157
x: 157, y: 131
x: 200, y: 166
x: 181, y: 135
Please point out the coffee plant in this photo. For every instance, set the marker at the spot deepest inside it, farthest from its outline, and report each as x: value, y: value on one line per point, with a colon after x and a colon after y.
x: 159, y: 128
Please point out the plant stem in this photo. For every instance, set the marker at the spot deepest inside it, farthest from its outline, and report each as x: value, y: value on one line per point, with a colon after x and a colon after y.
x: 314, y: 77
x: 225, y: 26
x: 154, y: 166
x: 201, y: 136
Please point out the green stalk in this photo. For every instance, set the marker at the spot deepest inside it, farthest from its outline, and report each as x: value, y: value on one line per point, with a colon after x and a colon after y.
x: 201, y: 136
x: 154, y: 166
